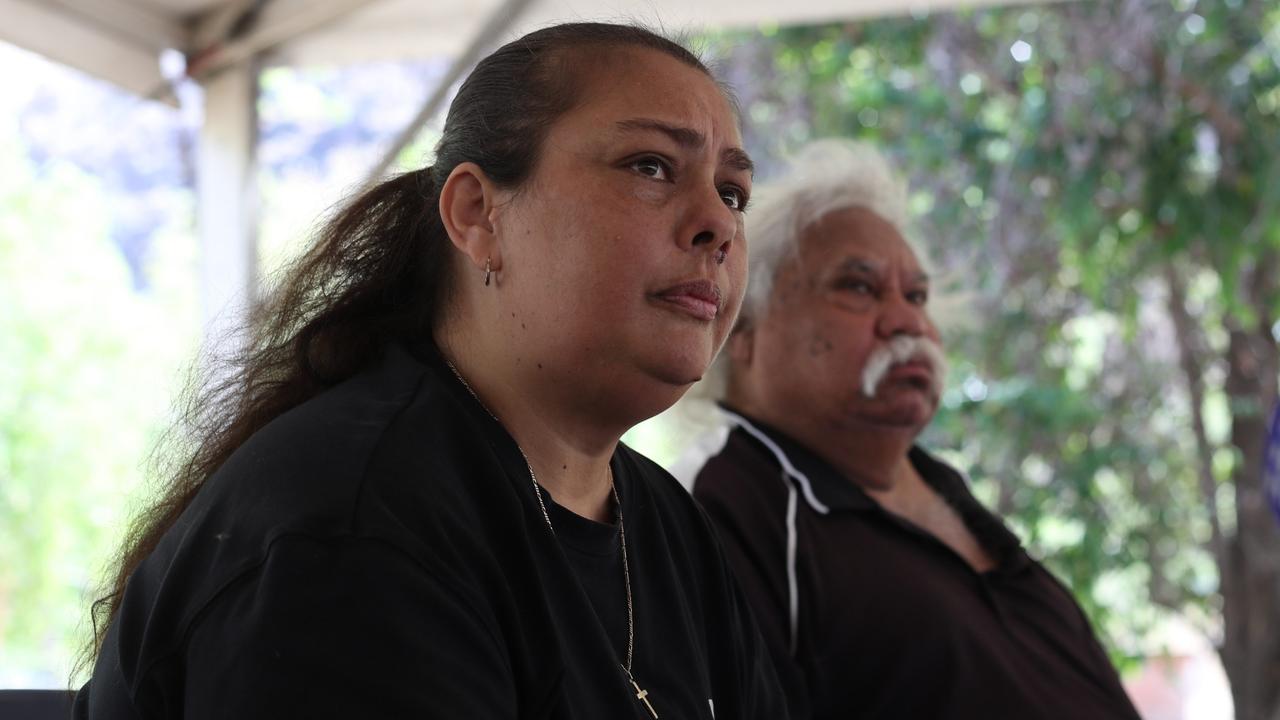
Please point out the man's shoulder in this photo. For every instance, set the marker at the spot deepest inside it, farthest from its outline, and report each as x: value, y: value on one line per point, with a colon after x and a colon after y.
x: 705, y: 445
x: 741, y: 466
x: 743, y: 488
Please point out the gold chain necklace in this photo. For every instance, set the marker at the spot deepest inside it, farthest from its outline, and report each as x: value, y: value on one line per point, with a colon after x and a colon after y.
x: 641, y: 694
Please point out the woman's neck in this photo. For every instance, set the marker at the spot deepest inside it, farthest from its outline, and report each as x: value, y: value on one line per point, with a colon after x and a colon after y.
x: 567, y: 446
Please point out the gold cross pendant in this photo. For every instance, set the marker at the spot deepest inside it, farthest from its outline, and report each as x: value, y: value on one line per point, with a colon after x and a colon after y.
x: 643, y: 696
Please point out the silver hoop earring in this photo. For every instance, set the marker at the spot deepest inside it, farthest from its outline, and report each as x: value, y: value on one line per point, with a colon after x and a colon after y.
x: 488, y: 270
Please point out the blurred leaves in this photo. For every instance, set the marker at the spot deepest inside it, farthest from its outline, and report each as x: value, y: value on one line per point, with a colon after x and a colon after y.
x: 88, y: 364
x: 1063, y: 159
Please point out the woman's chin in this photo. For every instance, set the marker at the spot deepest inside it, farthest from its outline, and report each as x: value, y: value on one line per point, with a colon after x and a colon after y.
x: 681, y: 367
x: 661, y: 383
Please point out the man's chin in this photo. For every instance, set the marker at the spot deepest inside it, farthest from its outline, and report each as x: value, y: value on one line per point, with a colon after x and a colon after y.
x: 907, y: 422
x: 903, y: 410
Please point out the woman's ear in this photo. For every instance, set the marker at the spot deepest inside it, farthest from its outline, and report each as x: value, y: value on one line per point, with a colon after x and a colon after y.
x: 467, y: 201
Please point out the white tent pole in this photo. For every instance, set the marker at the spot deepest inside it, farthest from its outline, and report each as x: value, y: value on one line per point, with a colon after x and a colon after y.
x: 227, y: 207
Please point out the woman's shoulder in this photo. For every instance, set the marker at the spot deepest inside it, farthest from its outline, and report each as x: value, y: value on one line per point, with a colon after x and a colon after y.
x: 360, y: 459
x: 314, y: 457
x: 373, y: 463
x: 655, y: 480
x: 659, y: 495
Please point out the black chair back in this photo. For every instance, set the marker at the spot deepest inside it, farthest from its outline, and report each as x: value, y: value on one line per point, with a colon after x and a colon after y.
x: 35, y: 704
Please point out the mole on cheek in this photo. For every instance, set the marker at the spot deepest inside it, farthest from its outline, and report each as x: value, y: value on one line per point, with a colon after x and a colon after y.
x: 819, y: 346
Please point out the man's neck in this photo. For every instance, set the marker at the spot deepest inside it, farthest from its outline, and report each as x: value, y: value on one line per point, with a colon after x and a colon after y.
x: 871, y: 456
x: 874, y: 458
x: 878, y: 460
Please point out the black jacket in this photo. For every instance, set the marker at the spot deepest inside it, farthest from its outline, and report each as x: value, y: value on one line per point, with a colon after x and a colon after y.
x: 870, y: 616
x: 379, y: 552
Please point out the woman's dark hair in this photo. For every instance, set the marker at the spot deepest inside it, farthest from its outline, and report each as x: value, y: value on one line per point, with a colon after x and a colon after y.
x: 377, y: 273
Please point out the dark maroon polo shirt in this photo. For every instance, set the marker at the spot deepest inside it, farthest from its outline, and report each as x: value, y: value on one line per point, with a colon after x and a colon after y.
x: 889, y: 622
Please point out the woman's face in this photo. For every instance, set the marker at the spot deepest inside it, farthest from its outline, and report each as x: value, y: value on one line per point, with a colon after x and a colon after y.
x: 623, y: 256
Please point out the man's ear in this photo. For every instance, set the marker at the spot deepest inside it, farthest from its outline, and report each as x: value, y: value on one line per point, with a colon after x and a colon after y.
x: 467, y: 201
x: 742, y: 344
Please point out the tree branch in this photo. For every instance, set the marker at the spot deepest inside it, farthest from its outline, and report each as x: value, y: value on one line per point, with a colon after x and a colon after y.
x: 1193, y: 373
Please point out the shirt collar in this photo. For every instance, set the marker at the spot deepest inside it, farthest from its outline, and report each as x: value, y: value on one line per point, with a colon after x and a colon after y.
x: 831, y: 490
x: 836, y: 493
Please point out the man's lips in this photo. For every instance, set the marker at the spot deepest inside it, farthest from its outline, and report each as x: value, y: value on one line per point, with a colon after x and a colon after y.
x: 698, y: 298
x: 912, y: 371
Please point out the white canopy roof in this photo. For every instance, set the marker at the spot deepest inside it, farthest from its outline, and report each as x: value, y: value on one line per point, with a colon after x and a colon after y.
x: 121, y: 40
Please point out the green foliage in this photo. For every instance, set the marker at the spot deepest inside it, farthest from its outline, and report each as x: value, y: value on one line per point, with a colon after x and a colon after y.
x: 324, y: 130
x: 1065, y: 160
x: 87, y: 366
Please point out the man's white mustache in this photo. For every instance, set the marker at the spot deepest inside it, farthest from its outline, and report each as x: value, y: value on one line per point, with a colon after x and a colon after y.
x: 900, y: 349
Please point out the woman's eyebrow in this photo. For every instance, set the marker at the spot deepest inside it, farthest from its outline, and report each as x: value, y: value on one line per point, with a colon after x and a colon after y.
x: 684, y: 137
x: 690, y: 139
x: 738, y: 159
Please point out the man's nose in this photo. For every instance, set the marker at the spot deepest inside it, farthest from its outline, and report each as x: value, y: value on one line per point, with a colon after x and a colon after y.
x: 900, y: 316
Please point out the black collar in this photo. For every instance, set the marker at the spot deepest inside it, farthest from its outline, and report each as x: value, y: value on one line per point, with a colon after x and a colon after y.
x: 838, y: 493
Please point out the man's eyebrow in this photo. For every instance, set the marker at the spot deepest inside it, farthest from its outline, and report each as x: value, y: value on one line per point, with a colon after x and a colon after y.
x: 859, y: 265
x: 871, y: 267
x: 691, y: 139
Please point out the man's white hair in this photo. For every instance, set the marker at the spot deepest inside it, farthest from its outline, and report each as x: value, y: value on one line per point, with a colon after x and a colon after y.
x: 824, y: 177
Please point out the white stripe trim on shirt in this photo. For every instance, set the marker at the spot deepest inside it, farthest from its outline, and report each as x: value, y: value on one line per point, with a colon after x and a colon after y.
x: 792, y: 477
x: 801, y: 479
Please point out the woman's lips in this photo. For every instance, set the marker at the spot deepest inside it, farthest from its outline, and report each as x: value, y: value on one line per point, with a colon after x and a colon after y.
x: 697, y: 298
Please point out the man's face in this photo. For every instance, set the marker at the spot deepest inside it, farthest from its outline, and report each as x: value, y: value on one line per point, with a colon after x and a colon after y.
x: 846, y: 341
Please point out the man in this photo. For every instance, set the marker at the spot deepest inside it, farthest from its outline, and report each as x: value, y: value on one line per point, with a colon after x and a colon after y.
x: 884, y: 589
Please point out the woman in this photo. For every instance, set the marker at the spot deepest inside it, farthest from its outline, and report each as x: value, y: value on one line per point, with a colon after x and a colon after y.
x: 412, y: 500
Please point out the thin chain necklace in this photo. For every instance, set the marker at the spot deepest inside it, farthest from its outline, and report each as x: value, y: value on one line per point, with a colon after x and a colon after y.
x: 641, y: 694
